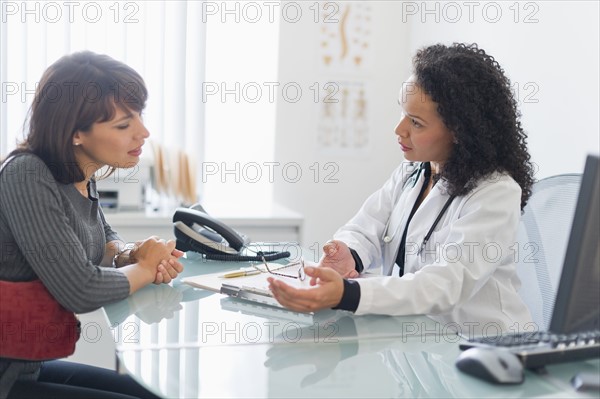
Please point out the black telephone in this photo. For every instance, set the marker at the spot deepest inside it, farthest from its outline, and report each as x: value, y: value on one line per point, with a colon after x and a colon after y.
x: 195, y: 230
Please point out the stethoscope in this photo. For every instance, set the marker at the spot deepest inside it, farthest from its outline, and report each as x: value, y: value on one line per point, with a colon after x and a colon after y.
x: 414, y: 177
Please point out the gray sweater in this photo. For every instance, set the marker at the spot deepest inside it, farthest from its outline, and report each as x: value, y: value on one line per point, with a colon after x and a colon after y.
x: 49, y: 231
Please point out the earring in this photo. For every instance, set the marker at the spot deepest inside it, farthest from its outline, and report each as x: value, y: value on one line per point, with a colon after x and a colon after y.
x: 76, y: 144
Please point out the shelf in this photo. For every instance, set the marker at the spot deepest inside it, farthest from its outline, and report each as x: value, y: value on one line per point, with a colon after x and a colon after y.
x: 271, y: 222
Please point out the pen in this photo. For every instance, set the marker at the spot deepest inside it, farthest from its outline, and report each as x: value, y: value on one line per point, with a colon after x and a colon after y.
x: 240, y: 273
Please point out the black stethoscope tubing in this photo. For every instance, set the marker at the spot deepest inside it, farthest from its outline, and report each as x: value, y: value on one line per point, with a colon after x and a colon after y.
x: 435, y: 223
x: 387, y: 239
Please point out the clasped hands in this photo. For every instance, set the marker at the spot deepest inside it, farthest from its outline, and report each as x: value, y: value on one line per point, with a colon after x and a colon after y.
x: 326, y: 281
x: 157, y: 255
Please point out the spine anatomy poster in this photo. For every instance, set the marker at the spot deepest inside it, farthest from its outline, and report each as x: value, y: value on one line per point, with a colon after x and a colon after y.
x: 345, y: 56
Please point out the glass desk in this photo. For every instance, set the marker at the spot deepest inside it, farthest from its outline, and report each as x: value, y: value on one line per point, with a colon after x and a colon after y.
x: 186, y: 343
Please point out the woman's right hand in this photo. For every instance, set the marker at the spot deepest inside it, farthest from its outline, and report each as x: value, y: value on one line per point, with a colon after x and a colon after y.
x: 337, y: 256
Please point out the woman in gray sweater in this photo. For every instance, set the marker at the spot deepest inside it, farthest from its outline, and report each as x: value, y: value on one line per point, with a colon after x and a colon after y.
x: 86, y: 114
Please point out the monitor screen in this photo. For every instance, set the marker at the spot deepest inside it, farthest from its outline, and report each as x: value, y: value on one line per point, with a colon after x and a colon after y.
x: 577, y: 306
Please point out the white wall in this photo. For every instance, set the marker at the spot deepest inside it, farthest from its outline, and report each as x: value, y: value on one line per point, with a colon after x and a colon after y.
x: 558, y: 55
x: 240, y: 119
x: 552, y: 61
x: 326, y: 206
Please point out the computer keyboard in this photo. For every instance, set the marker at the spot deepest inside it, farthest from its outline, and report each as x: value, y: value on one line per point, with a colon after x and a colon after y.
x: 537, y: 349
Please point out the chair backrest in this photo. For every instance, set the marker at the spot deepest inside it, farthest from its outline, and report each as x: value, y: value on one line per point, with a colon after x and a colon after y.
x: 542, y: 242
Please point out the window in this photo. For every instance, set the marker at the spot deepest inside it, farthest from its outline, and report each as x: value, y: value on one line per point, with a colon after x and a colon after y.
x: 240, y: 94
x: 160, y: 39
x: 171, y: 44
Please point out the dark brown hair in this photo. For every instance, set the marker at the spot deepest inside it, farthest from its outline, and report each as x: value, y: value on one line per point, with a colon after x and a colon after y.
x: 75, y: 92
x: 475, y: 101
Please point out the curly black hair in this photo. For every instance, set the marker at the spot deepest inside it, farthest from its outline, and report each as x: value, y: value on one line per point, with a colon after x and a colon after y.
x: 475, y: 101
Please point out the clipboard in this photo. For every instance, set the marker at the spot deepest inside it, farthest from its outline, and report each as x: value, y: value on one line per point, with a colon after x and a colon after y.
x: 254, y: 288
x: 249, y: 294
x: 254, y: 308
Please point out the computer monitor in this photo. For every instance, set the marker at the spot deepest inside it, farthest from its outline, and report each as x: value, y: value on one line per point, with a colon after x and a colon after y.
x: 577, y: 306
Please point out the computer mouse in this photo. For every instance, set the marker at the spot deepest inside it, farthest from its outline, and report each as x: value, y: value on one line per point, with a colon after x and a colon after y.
x: 497, y: 366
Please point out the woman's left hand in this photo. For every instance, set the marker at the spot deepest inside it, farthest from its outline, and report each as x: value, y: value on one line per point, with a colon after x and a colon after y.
x: 327, y: 291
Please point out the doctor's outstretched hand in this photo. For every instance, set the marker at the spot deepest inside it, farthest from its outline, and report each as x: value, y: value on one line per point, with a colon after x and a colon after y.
x: 337, y: 256
x: 327, y: 288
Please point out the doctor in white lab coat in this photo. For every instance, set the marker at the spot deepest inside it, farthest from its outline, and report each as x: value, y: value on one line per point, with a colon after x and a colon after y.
x: 442, y: 229
x: 465, y: 272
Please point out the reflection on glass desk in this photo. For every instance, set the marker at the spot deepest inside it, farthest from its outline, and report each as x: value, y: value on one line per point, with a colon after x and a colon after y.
x: 183, y: 342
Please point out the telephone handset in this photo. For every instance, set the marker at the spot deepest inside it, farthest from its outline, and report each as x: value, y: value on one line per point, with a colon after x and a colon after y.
x: 195, y: 230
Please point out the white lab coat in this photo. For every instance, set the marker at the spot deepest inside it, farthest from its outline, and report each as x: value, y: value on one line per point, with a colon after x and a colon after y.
x: 465, y: 278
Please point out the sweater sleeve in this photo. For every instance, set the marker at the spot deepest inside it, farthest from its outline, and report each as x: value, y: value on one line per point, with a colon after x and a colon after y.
x: 34, y: 212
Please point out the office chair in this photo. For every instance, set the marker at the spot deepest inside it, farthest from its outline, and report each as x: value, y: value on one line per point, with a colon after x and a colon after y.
x: 542, y: 242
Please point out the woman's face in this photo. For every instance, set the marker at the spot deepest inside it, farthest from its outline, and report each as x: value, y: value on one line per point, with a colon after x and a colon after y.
x: 421, y: 133
x: 117, y: 143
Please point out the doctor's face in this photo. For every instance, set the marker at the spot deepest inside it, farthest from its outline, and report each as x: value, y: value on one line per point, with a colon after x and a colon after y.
x: 421, y: 132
